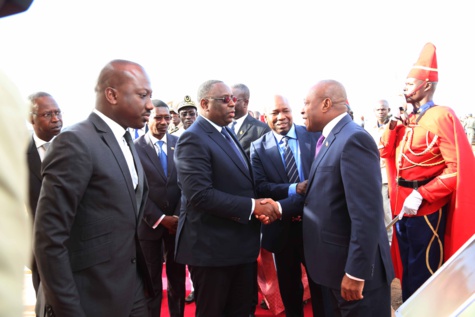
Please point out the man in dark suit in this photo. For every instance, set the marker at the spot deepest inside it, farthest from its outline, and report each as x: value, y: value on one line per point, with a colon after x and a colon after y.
x: 160, y: 220
x: 345, y: 241
x: 246, y: 128
x: 47, y: 121
x: 269, y: 163
x: 218, y: 235
x: 91, y: 203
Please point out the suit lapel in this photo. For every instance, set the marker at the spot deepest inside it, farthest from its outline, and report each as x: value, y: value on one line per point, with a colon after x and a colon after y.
x: 272, y: 150
x: 244, y: 127
x: 326, y: 146
x: 171, y: 144
x: 105, y: 133
x: 218, y: 138
x: 34, y: 161
x: 307, y: 150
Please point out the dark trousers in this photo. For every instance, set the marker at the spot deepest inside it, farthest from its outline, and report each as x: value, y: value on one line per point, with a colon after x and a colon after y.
x: 223, y: 291
x: 289, y: 262
x: 376, y: 303
x: 421, y: 246
x: 176, y: 276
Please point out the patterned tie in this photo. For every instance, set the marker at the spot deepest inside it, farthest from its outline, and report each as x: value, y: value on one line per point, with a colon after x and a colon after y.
x: 233, y: 145
x: 319, y: 144
x: 290, y: 165
x: 163, y: 157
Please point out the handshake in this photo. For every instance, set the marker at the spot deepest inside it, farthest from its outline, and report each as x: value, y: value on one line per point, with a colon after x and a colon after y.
x: 266, y: 210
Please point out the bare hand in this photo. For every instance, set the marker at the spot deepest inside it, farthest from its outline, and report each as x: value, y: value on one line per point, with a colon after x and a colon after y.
x: 351, y: 289
x: 171, y: 223
x: 266, y: 210
x: 302, y: 187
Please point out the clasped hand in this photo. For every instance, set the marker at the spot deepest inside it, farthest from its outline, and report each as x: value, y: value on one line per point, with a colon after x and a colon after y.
x: 266, y: 210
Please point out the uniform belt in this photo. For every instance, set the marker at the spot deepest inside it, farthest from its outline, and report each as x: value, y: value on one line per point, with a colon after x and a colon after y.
x: 413, y: 184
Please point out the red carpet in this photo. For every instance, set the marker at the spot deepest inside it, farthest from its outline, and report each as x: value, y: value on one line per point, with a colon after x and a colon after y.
x: 190, y: 308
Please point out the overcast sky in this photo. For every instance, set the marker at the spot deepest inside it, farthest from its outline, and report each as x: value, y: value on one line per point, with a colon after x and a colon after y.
x: 60, y: 46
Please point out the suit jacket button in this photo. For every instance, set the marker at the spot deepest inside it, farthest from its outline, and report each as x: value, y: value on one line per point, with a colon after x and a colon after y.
x: 133, y: 260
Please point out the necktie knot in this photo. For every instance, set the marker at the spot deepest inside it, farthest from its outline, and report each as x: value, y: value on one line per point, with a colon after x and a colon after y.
x: 233, y: 127
x: 285, y: 140
x: 127, y: 137
x: 320, y: 140
x: 233, y: 145
x: 46, y: 146
x: 319, y: 144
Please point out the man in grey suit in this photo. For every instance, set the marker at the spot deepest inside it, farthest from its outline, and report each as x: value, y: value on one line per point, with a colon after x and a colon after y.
x: 160, y: 220
x: 47, y: 121
x: 247, y: 128
x: 91, y: 203
x: 218, y: 235
x: 345, y: 242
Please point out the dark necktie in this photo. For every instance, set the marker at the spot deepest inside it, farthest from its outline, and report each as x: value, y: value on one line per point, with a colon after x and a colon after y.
x: 319, y: 144
x: 131, y: 164
x: 290, y: 165
x: 233, y: 145
x: 163, y: 157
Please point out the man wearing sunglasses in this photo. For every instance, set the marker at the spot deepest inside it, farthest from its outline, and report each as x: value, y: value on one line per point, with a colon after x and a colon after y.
x: 188, y: 113
x: 218, y: 233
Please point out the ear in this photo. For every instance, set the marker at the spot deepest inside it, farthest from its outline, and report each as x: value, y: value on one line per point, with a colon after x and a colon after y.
x: 428, y: 86
x: 204, y: 104
x: 111, y: 95
x: 326, y: 105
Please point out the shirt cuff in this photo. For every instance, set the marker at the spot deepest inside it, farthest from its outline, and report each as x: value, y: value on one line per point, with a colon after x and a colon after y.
x: 252, y: 207
x: 158, y: 222
x: 354, y: 278
x: 292, y: 189
x: 280, y: 208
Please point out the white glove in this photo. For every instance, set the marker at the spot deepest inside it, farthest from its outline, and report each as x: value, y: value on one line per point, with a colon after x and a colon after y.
x: 411, y: 204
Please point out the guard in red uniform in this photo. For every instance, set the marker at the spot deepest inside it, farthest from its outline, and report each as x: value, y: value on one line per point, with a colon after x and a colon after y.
x: 430, y: 164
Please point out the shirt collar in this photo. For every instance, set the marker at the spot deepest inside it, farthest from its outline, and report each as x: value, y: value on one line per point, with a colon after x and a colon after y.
x: 330, y: 125
x: 155, y: 140
x: 291, y: 134
x: 217, y: 127
x: 241, y: 120
x: 116, y: 128
x: 39, y: 142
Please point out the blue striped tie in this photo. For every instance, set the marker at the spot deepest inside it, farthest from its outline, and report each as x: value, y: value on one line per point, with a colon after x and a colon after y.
x: 290, y: 165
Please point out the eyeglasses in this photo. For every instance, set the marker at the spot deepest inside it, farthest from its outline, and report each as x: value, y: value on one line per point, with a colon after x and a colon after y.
x: 160, y: 118
x: 226, y: 99
x: 190, y: 113
x: 48, y: 115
